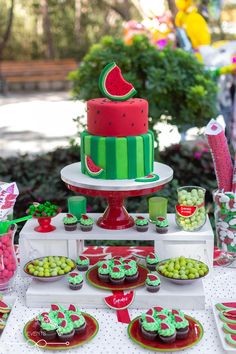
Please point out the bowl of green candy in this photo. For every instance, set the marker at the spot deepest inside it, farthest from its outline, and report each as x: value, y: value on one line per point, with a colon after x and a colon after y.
x: 190, y: 210
x: 182, y: 270
x: 43, y: 212
x: 50, y: 268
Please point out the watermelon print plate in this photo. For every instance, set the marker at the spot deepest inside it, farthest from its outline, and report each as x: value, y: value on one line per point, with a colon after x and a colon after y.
x: 92, y: 278
x: 32, y: 335
x: 195, y: 335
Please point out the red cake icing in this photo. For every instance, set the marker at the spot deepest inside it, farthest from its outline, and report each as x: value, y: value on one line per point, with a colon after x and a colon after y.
x: 118, y: 119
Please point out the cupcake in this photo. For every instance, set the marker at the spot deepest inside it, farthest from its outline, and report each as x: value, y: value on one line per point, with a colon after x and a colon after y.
x: 55, y: 308
x: 181, y: 326
x: 162, y: 225
x: 153, y: 283
x: 117, y: 275
x: 70, y: 222
x: 167, y: 332
x: 73, y: 310
x: 48, y: 328
x: 149, y: 327
x: 141, y: 224
x: 131, y: 273
x: 103, y: 272
x: 82, y: 263
x: 152, y: 261
x: 86, y: 223
x: 79, y: 323
x: 75, y: 281
x: 65, y: 331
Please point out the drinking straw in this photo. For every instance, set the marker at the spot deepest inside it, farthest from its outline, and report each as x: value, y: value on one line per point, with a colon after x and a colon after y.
x: 4, y: 225
x: 220, y: 153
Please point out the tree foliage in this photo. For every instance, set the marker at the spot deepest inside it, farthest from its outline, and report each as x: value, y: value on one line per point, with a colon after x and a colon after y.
x: 176, y: 85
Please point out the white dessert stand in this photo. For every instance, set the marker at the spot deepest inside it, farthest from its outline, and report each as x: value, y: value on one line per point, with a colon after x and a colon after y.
x: 115, y: 216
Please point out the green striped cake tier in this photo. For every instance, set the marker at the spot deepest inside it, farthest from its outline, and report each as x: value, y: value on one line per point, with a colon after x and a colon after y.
x: 120, y: 158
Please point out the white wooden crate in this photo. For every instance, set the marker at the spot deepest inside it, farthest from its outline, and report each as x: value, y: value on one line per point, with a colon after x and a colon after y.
x: 198, y: 245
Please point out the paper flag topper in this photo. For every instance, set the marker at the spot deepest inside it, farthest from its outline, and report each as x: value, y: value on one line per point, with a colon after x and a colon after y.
x: 8, y: 195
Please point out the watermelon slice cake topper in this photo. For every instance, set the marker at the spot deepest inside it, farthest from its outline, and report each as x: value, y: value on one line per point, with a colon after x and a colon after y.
x: 113, y: 85
x: 92, y: 169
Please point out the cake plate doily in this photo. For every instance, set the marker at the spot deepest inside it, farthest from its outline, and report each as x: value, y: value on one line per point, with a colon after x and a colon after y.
x: 115, y: 216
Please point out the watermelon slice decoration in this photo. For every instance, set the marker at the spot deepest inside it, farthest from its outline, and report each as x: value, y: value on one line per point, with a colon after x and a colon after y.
x: 74, y: 318
x: 73, y: 275
x: 149, y: 319
x: 92, y: 169
x: 113, y: 85
x: 4, y: 308
x: 228, y: 316
x: 221, y: 306
x: 162, y: 317
x: 117, y: 262
x: 150, y: 312
x: 158, y: 308
x: 64, y: 323
x: 72, y: 308
x: 231, y: 339
x: 120, y: 301
x: 178, y: 318
x: 150, y: 178
x: 152, y: 277
x: 61, y: 315
x: 55, y: 307
x: 229, y: 328
x: 164, y: 325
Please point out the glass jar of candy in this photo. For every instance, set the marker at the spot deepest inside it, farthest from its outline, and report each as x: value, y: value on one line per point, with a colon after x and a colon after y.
x: 190, y: 210
x: 8, y: 260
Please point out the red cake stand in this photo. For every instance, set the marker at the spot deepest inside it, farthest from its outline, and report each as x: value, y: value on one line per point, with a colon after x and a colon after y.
x: 115, y: 216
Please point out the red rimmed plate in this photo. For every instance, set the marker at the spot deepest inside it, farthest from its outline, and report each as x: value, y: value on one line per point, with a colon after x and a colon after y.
x: 32, y: 335
x: 92, y: 278
x: 195, y: 335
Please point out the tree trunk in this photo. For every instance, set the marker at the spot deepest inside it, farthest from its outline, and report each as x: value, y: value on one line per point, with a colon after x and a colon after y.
x: 172, y: 7
x: 7, y: 32
x: 122, y: 8
x: 77, y: 20
x: 50, y: 50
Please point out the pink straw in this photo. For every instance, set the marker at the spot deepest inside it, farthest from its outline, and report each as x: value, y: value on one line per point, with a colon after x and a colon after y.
x: 220, y: 154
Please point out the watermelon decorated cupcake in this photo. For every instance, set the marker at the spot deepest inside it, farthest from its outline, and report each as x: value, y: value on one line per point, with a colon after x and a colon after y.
x: 130, y: 262
x: 174, y: 312
x: 117, y: 275
x: 73, y: 310
x: 131, y: 273
x: 65, y: 331
x: 182, y: 326
x: 48, y: 328
x: 162, y: 225
x: 75, y: 281
x: 141, y: 224
x: 82, y: 263
x: 153, y: 283
x: 103, y: 272
x: 149, y: 327
x: 55, y: 308
x: 79, y: 323
x: 167, y: 332
x: 70, y: 222
x: 61, y: 316
x: 152, y: 261
x: 86, y: 223
x: 160, y: 317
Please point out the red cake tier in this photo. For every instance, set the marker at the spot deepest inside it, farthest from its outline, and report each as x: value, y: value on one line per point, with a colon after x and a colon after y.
x: 115, y: 118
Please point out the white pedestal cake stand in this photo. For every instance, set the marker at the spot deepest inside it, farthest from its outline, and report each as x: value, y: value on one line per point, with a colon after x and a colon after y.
x: 115, y: 216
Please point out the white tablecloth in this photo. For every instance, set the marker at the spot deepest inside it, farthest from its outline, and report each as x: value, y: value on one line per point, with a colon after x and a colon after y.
x: 112, y: 337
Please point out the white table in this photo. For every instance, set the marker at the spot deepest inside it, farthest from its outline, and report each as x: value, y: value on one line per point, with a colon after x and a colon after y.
x: 222, y: 284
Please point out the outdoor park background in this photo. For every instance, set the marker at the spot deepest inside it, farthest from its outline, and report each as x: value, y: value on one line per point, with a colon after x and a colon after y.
x: 40, y: 121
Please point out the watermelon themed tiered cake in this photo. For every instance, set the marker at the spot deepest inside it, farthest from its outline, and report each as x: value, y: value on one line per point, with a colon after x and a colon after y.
x: 117, y: 143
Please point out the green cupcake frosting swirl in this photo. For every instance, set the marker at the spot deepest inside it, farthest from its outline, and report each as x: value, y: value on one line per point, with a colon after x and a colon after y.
x: 162, y: 223
x: 83, y: 261
x: 79, y: 323
x: 141, y: 222
x: 67, y: 329
x: 182, y: 324
x: 48, y: 326
x: 117, y: 275
x: 87, y: 222
x: 131, y: 271
x: 75, y: 280
x: 150, y: 326
x: 153, y: 282
x: 132, y: 263
x: 70, y: 220
x: 152, y: 260
x: 103, y: 271
x: 166, y: 332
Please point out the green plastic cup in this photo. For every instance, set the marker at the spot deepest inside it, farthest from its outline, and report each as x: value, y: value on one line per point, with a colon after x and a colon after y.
x: 157, y: 207
x: 77, y: 206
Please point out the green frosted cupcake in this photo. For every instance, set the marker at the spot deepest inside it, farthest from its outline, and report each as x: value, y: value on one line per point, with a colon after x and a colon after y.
x: 141, y: 224
x: 131, y: 273
x: 75, y: 281
x: 103, y: 272
x: 162, y: 225
x: 65, y: 331
x: 82, y: 263
x: 152, y: 261
x: 149, y: 327
x: 48, y: 328
x: 182, y: 326
x: 167, y: 332
x: 117, y: 275
x: 153, y: 283
x: 86, y: 223
x: 79, y: 323
x: 70, y: 222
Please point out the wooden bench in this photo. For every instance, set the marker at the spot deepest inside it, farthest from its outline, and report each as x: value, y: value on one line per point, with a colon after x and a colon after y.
x: 35, y: 72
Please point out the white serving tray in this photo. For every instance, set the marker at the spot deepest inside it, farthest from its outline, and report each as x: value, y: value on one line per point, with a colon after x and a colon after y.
x: 219, y: 324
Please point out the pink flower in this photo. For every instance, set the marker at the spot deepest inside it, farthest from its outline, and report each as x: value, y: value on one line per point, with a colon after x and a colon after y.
x: 197, y: 155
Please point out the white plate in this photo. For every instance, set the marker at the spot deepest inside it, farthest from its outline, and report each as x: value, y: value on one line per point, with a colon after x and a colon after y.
x: 219, y: 324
